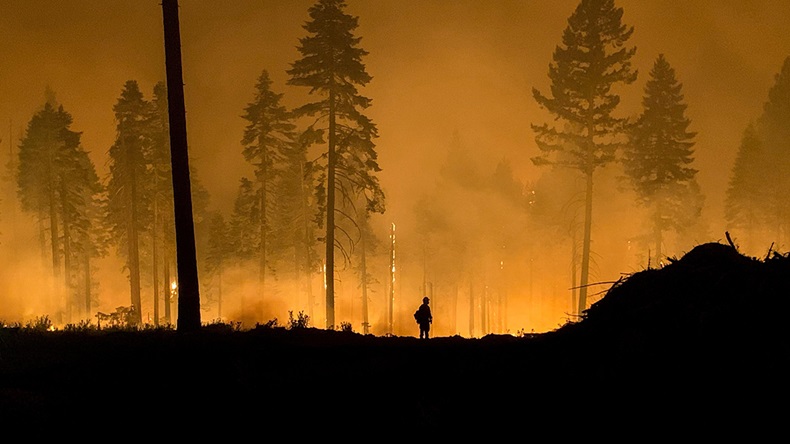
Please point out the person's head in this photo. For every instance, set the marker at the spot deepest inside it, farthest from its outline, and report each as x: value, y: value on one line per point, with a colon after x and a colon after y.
x: 425, y: 300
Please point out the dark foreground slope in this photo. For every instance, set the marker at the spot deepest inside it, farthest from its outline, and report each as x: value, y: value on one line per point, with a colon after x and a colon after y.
x: 702, y: 341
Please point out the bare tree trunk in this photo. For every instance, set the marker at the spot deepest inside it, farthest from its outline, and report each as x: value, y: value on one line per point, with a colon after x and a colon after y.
x: 364, y: 266
x: 658, y: 235
x: 586, y: 245
x: 188, y: 286
x: 54, y: 234
x: 72, y: 305
x: 132, y: 241
x: 574, y: 262
x: 42, y: 238
x: 262, y: 222
x: 307, y: 251
x: 219, y: 294
x: 454, y: 311
x: 155, y: 259
x: 134, y: 256
x: 484, y: 325
x: 167, y: 290
x: 391, y: 298
x: 88, y: 283
x: 330, y: 216
x: 471, y: 310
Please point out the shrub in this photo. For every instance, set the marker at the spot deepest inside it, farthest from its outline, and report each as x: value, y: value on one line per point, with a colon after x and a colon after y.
x: 81, y: 326
x: 301, y: 321
x: 272, y: 323
x: 41, y: 323
x: 122, y: 318
x: 220, y: 325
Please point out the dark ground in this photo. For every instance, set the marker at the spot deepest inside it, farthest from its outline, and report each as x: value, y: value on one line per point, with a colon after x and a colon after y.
x: 699, y: 346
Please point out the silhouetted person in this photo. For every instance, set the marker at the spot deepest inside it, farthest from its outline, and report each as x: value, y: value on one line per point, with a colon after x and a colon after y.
x: 424, y: 318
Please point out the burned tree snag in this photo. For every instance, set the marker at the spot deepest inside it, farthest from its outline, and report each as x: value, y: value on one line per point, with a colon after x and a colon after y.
x: 188, y: 290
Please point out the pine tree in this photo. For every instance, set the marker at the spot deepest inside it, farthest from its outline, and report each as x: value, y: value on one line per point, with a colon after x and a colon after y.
x: 775, y: 137
x: 82, y: 237
x: 745, y: 201
x: 294, y: 223
x: 756, y: 197
x: 268, y: 138
x: 217, y: 257
x: 128, y: 182
x: 331, y: 66
x: 57, y: 179
x: 37, y: 176
x: 93, y: 243
x: 591, y: 60
x: 659, y: 154
x: 162, y: 212
x: 243, y: 231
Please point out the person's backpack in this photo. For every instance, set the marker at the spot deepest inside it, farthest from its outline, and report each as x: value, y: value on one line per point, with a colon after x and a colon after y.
x: 421, y: 315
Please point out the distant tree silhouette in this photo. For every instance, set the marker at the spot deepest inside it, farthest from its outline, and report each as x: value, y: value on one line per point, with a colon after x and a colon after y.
x: 775, y: 135
x: 162, y: 233
x: 218, y: 255
x: 756, y: 199
x: 331, y: 66
x: 745, y: 199
x: 590, y: 61
x: 268, y: 138
x: 58, y: 183
x: 37, y: 175
x: 471, y: 229
x: 128, y: 182
x: 659, y: 154
x: 243, y: 231
x: 367, y: 246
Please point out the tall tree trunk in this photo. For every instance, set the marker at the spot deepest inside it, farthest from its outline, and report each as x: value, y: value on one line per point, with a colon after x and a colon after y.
x: 188, y: 286
x: 391, y: 298
x: 262, y: 223
x: 72, y: 305
x: 484, y: 324
x: 424, y: 268
x: 454, y: 311
x: 219, y: 293
x: 574, y: 262
x: 262, y: 234
x: 133, y: 249
x: 307, y: 251
x: 54, y: 234
x: 42, y: 237
x: 155, y: 259
x: 363, y: 265
x: 167, y: 289
x: 471, y: 310
x: 86, y: 260
x: 330, y: 215
x: 502, y: 300
x: 586, y: 244
x: 658, y: 236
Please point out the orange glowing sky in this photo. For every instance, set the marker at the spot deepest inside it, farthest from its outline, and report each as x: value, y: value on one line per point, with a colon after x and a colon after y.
x: 438, y: 66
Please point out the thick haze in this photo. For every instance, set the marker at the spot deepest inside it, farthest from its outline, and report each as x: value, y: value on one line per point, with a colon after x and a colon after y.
x: 439, y: 67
